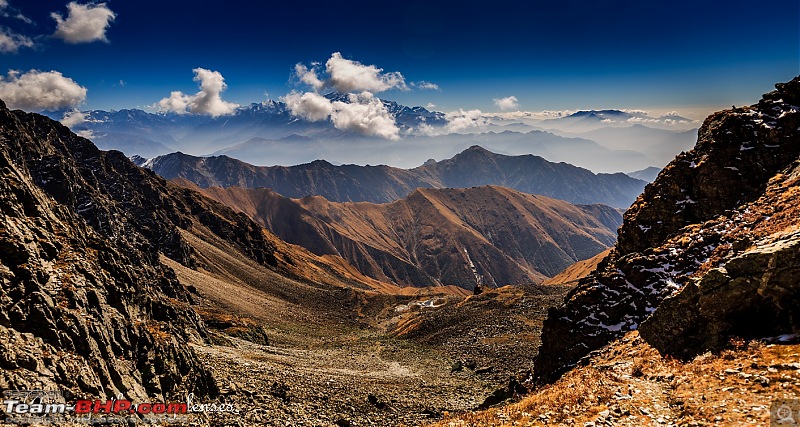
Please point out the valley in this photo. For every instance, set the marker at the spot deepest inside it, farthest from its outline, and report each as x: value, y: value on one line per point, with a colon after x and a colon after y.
x: 587, y: 267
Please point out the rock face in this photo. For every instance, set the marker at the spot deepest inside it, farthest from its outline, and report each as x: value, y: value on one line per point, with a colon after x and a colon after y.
x: 86, y: 306
x: 436, y: 236
x: 755, y: 294
x: 681, y: 227
x: 381, y: 184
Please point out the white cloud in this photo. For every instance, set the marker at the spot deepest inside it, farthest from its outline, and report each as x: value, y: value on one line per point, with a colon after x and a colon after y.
x: 38, y: 90
x: 309, y: 76
x: 430, y: 105
x: 635, y: 112
x: 507, y: 103
x: 348, y: 76
x: 365, y: 114
x: 310, y: 106
x: 10, y: 42
x: 72, y: 118
x: 425, y: 85
x: 85, y: 23
x: 207, y: 101
x: 88, y: 134
x: 465, y: 120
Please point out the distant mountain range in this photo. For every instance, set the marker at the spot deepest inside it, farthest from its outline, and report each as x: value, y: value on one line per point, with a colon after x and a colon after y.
x: 268, y: 134
x: 590, y: 119
x: 206, y: 134
x: 475, y: 166
x: 433, y: 237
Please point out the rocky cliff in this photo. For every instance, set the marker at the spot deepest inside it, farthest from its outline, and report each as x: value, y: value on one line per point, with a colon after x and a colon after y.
x: 86, y: 304
x: 678, y: 242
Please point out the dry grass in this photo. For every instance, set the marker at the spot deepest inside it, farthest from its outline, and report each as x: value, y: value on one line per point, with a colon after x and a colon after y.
x: 629, y: 383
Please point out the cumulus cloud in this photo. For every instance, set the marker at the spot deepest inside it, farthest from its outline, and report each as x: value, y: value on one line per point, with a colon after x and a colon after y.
x: 507, y: 103
x: 85, y: 23
x: 40, y: 90
x: 10, y: 42
x: 363, y: 113
x: 462, y: 120
x: 425, y: 85
x: 309, y: 76
x: 310, y: 106
x: 207, y: 101
x: 350, y: 76
x: 430, y: 105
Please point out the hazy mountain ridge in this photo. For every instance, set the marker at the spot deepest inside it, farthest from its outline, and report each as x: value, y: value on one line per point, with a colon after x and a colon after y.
x: 430, y: 237
x: 380, y: 184
x: 268, y: 134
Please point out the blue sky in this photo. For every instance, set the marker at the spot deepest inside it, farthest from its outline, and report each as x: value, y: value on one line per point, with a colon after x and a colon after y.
x: 549, y: 55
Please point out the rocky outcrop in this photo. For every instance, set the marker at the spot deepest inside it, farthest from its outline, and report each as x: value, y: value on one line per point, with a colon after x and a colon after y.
x: 83, y: 287
x: 681, y: 227
x: 754, y: 295
x: 85, y: 305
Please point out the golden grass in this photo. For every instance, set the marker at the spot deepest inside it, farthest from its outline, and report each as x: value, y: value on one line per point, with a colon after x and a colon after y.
x: 630, y: 383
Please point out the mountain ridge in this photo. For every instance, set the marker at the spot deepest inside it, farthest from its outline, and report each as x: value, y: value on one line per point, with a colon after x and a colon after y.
x: 433, y: 236
x: 380, y: 184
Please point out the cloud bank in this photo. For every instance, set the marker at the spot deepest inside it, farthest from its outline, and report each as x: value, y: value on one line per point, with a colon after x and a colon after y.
x: 85, y: 23
x: 208, y: 101
x: 40, y: 90
x: 461, y: 120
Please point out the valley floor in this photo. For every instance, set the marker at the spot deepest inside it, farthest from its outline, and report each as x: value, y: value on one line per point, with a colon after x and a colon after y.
x: 290, y: 353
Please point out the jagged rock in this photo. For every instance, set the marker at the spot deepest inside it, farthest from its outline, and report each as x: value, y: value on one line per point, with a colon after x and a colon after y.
x: 676, y: 229
x: 755, y: 294
x: 86, y: 306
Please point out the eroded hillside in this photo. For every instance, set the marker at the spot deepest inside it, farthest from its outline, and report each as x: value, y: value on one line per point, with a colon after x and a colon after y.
x: 436, y: 237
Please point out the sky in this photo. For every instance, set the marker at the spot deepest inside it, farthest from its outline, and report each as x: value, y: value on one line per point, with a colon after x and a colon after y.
x: 547, y: 55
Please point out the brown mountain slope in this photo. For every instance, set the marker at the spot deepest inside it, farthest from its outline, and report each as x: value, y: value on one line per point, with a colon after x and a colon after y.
x: 577, y: 271
x: 432, y: 236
